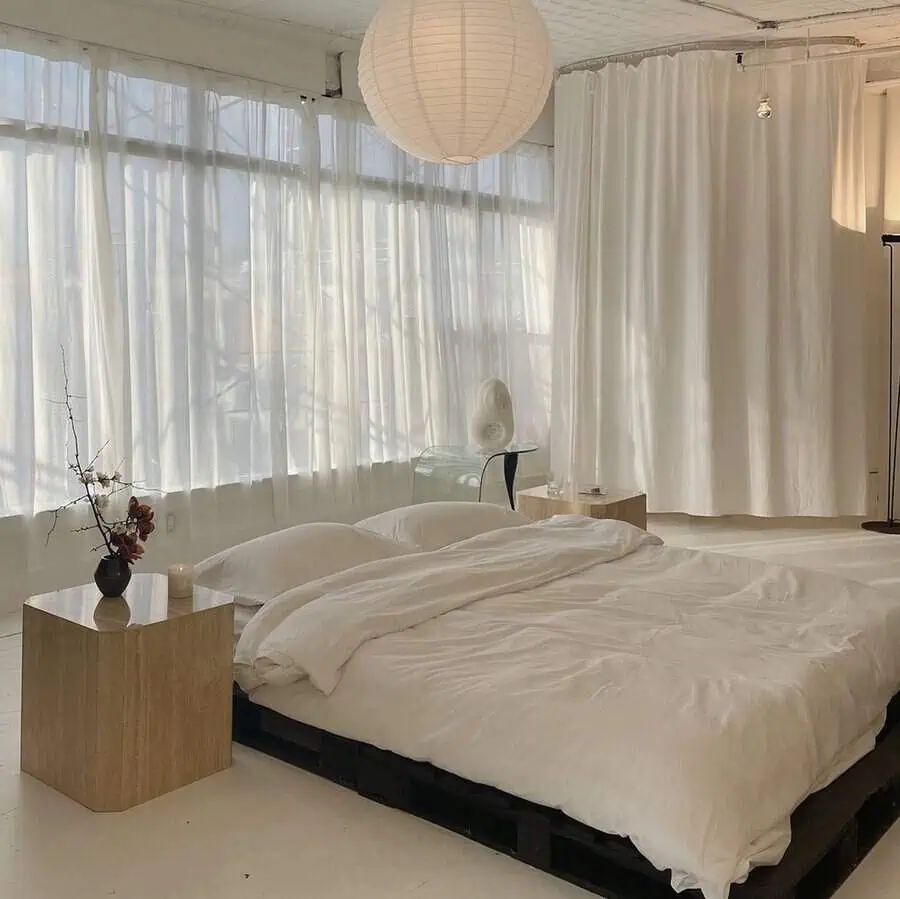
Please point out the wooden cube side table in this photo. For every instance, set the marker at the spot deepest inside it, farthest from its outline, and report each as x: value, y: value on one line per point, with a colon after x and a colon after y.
x: 624, y: 505
x: 126, y: 699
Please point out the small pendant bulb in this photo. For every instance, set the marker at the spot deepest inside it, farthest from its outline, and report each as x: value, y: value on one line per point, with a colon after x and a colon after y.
x: 764, y: 107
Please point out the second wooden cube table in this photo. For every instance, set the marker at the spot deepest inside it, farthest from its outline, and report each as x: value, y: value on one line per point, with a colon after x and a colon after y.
x: 624, y: 505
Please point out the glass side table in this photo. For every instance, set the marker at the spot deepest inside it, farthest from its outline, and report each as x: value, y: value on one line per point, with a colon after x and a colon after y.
x: 451, y: 472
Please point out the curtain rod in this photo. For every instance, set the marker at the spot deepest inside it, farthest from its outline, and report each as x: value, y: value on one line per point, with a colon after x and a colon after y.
x: 794, y: 21
x: 731, y: 46
x: 867, y: 12
x: 882, y: 86
x: 866, y: 52
x: 93, y: 45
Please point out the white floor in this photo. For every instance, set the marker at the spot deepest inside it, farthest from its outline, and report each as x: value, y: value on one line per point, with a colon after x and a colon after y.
x: 263, y: 830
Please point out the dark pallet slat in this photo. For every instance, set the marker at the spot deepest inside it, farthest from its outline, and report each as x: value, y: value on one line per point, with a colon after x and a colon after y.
x: 833, y: 829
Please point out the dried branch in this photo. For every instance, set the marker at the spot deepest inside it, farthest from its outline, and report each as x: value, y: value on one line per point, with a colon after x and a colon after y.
x: 97, y: 456
x: 78, y: 468
x: 121, y: 538
x: 57, y: 513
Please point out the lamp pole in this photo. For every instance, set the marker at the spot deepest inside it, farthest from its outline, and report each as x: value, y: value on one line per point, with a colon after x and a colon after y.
x: 890, y: 525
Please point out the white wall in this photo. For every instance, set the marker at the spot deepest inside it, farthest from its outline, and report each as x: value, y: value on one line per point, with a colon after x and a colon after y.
x: 286, y: 55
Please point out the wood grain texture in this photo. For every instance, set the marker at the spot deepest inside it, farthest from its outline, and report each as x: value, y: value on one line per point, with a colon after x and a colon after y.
x: 621, y: 505
x: 114, y: 718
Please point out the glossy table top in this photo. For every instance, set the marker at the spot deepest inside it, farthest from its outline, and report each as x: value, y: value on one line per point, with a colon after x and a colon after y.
x: 571, y: 495
x: 146, y: 601
x: 471, y: 453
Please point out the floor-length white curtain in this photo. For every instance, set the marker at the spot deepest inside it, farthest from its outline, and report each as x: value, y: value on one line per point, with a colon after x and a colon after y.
x: 708, y: 324
x: 249, y: 288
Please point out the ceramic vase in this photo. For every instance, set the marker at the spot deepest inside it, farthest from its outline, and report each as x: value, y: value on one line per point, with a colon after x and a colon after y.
x: 112, y: 576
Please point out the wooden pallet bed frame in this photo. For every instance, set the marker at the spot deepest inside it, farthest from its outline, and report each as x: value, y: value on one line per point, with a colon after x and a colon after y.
x: 833, y: 829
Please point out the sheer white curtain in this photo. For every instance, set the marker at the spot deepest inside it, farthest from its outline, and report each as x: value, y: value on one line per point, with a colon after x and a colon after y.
x: 249, y: 289
x: 709, y: 319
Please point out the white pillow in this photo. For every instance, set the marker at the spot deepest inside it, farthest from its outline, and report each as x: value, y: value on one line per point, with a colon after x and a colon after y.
x: 435, y: 525
x: 256, y: 571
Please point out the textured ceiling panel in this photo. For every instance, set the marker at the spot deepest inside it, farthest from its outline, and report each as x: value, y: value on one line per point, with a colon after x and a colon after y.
x: 589, y: 28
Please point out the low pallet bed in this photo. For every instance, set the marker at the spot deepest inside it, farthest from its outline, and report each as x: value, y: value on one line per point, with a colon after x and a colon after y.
x: 833, y: 829
x: 688, y: 700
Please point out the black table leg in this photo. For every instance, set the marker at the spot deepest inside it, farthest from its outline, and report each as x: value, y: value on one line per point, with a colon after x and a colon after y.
x: 510, y: 464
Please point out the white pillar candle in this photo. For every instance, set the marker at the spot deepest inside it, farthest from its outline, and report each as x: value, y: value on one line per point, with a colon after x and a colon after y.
x: 181, y: 581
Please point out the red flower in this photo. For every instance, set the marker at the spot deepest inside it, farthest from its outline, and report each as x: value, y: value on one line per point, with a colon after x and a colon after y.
x: 130, y: 552
x: 138, y: 527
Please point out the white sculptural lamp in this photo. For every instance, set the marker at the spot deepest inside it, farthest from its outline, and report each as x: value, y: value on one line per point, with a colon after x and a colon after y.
x: 492, y: 424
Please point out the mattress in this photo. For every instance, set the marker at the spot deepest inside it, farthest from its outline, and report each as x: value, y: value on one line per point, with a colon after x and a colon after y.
x: 242, y: 616
x: 687, y: 701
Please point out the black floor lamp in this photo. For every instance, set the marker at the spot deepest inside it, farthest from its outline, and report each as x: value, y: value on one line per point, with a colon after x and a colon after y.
x: 890, y: 525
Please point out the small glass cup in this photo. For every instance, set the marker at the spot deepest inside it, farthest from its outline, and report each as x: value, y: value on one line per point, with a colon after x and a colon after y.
x: 554, y: 487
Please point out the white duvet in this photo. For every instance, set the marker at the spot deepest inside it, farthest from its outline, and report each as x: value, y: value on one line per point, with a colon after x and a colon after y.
x: 688, y: 701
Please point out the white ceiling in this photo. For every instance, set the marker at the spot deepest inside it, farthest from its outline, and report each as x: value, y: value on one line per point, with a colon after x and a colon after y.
x: 583, y: 29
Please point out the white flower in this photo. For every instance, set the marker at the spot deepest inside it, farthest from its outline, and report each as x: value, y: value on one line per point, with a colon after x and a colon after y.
x: 117, y: 476
x: 119, y: 529
x: 102, y: 502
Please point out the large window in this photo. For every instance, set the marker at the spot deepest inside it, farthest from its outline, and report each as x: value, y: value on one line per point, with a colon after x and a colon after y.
x: 247, y: 286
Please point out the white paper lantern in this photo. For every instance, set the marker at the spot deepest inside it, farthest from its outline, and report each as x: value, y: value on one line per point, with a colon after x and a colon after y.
x: 455, y: 80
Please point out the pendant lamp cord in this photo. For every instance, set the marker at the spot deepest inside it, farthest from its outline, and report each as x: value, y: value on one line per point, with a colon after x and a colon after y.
x: 892, y: 435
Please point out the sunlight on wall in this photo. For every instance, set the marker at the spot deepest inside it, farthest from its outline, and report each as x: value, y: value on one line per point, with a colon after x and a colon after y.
x: 889, y: 132
x: 873, y: 116
x: 848, y: 187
